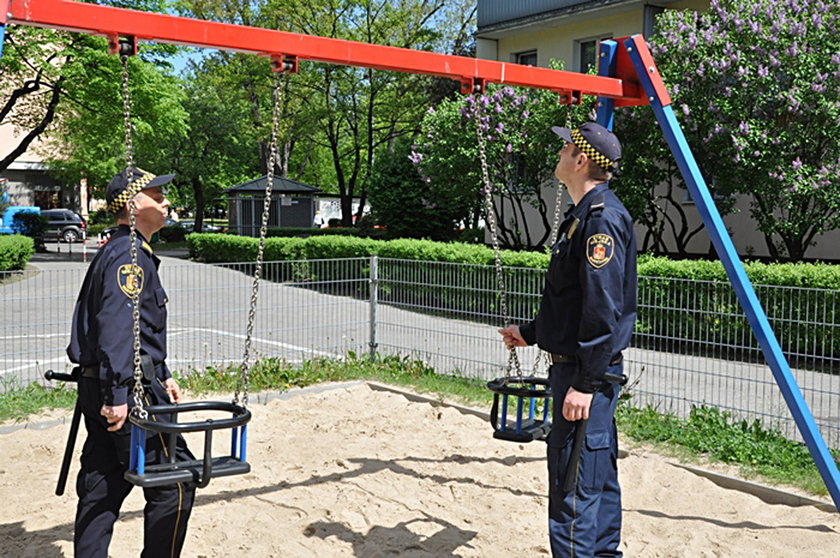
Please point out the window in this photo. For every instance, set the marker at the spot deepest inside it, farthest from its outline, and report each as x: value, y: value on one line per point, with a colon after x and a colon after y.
x: 586, y: 53
x: 650, y: 17
x: 528, y: 58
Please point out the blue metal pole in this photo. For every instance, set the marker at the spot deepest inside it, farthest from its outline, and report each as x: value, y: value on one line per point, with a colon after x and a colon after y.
x: 606, y: 67
x: 2, y: 37
x: 654, y: 88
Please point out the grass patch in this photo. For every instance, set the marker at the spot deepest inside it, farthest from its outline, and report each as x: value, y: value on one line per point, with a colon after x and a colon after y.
x: 759, y: 453
x: 17, y: 403
x: 707, y: 434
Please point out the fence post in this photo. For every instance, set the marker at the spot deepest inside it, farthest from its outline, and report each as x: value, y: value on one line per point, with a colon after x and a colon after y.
x: 374, y: 304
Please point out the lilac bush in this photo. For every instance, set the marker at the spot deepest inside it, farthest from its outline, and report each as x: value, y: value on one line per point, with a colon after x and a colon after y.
x: 755, y: 86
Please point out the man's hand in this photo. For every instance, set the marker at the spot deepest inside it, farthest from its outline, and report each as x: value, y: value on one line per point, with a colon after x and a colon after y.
x: 512, y: 337
x: 576, y: 405
x: 114, y: 415
x: 173, y: 390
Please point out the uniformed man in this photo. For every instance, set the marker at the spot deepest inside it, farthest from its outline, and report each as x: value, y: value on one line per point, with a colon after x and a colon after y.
x: 585, y: 320
x: 102, y: 341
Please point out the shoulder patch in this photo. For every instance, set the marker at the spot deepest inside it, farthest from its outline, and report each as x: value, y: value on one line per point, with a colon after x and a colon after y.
x: 130, y: 279
x: 599, y: 250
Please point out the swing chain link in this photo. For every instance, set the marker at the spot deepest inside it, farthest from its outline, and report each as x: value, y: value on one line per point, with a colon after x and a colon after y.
x: 245, y: 373
x: 513, y: 357
x: 138, y: 410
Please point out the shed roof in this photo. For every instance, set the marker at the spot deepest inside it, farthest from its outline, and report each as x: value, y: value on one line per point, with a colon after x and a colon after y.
x: 280, y: 184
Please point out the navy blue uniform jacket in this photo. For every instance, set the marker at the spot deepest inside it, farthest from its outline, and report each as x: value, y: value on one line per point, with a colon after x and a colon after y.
x: 589, y: 301
x: 102, y: 328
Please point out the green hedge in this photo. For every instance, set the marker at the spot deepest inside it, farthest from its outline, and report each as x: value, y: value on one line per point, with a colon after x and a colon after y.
x: 684, y: 306
x: 15, y: 251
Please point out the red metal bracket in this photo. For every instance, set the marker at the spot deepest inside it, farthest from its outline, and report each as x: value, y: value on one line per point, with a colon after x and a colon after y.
x: 626, y: 69
x: 125, y: 45
x: 285, y: 63
x: 570, y: 97
x: 472, y: 85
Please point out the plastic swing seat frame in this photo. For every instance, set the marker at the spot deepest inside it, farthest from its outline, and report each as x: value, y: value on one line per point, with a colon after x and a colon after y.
x: 521, y: 429
x: 197, y: 471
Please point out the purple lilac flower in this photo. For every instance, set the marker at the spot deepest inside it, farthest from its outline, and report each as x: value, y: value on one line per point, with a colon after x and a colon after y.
x: 797, y: 163
x: 763, y: 71
x: 415, y: 157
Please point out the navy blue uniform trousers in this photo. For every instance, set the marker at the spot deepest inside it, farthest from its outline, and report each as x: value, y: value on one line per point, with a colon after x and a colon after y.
x: 586, y: 521
x: 101, y: 487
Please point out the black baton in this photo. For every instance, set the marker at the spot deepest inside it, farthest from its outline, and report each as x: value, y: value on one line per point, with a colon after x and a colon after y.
x: 71, y: 437
x: 570, y: 481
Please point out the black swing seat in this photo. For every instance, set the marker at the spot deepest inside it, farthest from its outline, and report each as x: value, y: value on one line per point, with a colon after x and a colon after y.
x: 197, y: 471
x: 522, y: 387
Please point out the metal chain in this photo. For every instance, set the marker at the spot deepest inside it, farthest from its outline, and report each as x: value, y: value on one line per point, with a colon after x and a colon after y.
x: 513, y: 357
x: 245, y: 373
x: 139, y: 411
x: 542, y: 356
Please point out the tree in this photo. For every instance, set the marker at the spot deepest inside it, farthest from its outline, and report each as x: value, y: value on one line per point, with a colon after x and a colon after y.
x: 521, y: 155
x: 758, y: 90
x: 407, y: 205
x: 218, y: 150
x: 91, y: 127
x: 31, y: 85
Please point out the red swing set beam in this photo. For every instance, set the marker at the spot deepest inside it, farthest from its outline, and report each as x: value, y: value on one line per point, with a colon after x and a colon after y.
x: 279, y: 45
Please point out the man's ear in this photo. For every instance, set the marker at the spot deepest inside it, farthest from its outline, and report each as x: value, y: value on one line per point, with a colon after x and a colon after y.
x: 582, y: 161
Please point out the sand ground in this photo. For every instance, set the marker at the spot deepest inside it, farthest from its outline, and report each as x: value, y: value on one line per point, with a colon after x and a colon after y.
x: 352, y: 471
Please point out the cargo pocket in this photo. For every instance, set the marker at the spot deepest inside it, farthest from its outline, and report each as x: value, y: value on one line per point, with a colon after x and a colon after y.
x: 596, y: 462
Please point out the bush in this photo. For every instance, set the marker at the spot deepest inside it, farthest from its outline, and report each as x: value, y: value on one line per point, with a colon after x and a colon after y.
x: 172, y: 233
x: 29, y: 223
x: 15, y: 251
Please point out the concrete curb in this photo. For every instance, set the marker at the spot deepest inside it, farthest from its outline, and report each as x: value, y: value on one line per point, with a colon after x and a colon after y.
x: 765, y: 493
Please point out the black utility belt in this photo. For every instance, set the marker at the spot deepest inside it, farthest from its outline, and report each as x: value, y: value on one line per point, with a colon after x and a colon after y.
x: 146, y: 366
x: 89, y: 371
x: 565, y: 359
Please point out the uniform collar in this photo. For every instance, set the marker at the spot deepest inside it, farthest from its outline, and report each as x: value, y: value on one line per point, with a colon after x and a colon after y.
x: 125, y: 230
x: 583, y: 206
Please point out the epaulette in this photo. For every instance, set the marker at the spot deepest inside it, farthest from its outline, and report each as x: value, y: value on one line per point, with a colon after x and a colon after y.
x: 597, y: 203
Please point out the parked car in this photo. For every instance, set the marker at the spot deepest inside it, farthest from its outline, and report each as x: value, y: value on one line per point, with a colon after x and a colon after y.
x: 66, y: 225
x: 205, y: 227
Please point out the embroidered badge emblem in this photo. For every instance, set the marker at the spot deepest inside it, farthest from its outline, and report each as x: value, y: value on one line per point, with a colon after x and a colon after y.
x: 599, y: 250
x: 130, y: 279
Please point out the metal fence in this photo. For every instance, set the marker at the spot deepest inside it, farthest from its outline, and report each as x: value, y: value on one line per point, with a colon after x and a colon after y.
x: 692, y: 345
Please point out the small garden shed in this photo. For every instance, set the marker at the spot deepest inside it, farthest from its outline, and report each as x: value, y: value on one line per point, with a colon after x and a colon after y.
x: 292, y: 205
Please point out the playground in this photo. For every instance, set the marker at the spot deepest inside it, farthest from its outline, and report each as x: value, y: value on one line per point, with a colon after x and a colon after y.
x: 379, y: 475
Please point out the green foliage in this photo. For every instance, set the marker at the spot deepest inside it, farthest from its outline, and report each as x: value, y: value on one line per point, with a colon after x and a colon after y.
x: 714, y: 433
x: 15, y: 251
x: 92, y: 131
x: 408, y: 206
x: 17, y: 403
x: 29, y: 223
x: 172, y: 233
x: 756, y: 86
x: 521, y: 154
x: 310, y: 231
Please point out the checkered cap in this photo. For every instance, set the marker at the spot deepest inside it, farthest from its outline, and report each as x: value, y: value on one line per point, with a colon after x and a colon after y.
x: 598, y: 143
x: 120, y: 190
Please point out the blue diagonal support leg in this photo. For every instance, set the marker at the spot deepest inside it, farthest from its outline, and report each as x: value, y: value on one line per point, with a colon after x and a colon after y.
x: 661, y: 104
